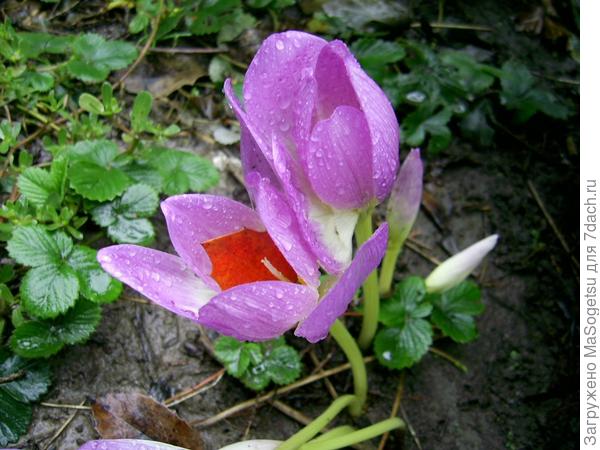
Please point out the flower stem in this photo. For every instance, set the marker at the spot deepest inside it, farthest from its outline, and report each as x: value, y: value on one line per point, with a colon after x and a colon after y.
x: 363, y: 231
x: 356, y: 436
x: 388, y: 267
x: 313, y: 428
x: 359, y: 371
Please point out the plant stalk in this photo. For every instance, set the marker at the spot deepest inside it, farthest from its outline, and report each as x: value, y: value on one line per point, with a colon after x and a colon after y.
x: 363, y: 231
x: 388, y: 267
x: 356, y: 436
x: 313, y: 428
x: 359, y: 371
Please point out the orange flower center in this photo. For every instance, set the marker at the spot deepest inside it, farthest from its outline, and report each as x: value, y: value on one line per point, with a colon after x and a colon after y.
x: 247, y: 256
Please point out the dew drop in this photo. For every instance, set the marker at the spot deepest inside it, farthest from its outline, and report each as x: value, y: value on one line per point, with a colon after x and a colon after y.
x: 387, y: 356
x: 280, y: 45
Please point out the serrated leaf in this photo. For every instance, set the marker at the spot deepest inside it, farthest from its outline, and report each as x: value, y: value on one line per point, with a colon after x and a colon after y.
x: 138, y: 201
x: 34, y: 44
x: 401, y: 347
x: 33, y: 246
x: 407, y: 301
x: 131, y: 231
x: 94, y: 57
x: 283, y: 365
x: 14, y: 419
x: 230, y: 352
x: 33, y: 382
x: 234, y: 25
x: 98, y: 183
x: 100, y: 151
x: 375, y: 54
x: 144, y: 174
x: 182, y: 171
x: 454, y: 309
x: 36, y: 185
x: 35, y: 339
x: 94, y: 283
x: 49, y: 290
x: 256, y: 378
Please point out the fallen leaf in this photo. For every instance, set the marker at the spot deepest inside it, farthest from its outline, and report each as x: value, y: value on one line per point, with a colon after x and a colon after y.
x: 165, y: 74
x: 135, y: 416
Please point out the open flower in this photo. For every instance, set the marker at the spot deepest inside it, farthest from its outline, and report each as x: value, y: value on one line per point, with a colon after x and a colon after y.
x: 324, y: 134
x: 247, y: 276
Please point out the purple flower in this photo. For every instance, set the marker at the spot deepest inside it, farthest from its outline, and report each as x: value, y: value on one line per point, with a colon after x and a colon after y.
x: 139, y: 444
x: 247, y: 274
x: 324, y: 134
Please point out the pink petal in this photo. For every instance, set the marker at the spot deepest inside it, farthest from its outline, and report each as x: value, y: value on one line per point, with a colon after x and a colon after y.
x: 127, y: 444
x: 297, y: 191
x: 333, y: 81
x: 385, y: 133
x: 282, y: 225
x: 339, y: 160
x: 316, y: 326
x: 258, y: 311
x: 163, y: 278
x: 255, y: 153
x: 275, y: 78
x: 193, y: 219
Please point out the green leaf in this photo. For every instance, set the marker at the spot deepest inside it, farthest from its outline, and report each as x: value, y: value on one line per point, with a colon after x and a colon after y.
x: 49, y: 290
x: 256, y: 378
x: 211, y: 17
x: 90, y: 104
x: 31, y: 385
x: 95, y: 284
x: 401, y: 347
x: 98, y: 183
x: 283, y: 365
x: 375, y: 54
x: 37, y: 339
x: 37, y: 186
x: 14, y: 418
x: 38, y: 82
x: 144, y: 174
x: 406, y: 302
x: 233, y: 355
x: 182, y: 171
x: 34, y: 44
x: 235, y: 24
x: 476, y: 126
x: 142, y: 106
x: 33, y: 246
x: 454, y: 309
x: 94, y: 57
x: 101, y: 152
x: 125, y: 217
x: 424, y: 120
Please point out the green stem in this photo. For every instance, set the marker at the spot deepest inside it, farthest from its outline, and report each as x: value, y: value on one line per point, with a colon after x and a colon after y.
x: 363, y: 231
x: 313, y: 428
x: 356, y: 436
x: 334, y: 432
x: 359, y: 371
x: 388, y: 267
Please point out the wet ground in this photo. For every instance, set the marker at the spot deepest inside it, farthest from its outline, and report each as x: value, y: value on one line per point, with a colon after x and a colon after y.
x: 520, y: 391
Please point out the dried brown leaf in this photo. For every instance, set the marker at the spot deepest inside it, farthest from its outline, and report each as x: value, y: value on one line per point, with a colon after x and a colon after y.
x: 135, y: 416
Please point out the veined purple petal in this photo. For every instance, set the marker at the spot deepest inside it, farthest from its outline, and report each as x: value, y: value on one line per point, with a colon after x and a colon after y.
x: 298, y: 192
x: 405, y: 199
x: 381, y: 118
x: 282, y: 225
x: 127, y: 444
x: 316, y: 326
x: 334, y: 85
x: 163, y: 278
x: 339, y: 159
x: 194, y: 218
x: 258, y: 311
x: 276, y: 76
x: 254, y: 151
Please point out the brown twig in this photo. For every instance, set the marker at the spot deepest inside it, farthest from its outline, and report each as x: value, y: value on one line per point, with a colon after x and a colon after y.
x: 453, y: 26
x: 553, y: 225
x: 12, y: 377
x: 204, y: 385
x: 65, y: 406
x: 395, y: 408
x: 63, y: 427
x: 455, y: 362
x: 411, y: 430
x: 269, y: 395
x: 315, y: 360
x: 145, y: 48
x: 421, y: 253
x: 186, y: 50
x: 291, y: 412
